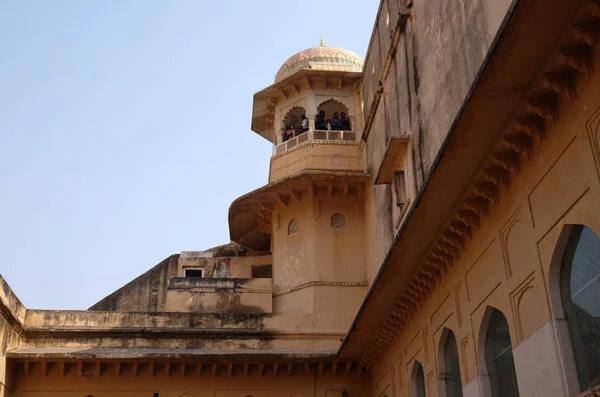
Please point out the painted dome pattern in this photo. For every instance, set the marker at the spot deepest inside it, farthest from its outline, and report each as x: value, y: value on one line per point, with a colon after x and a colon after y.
x: 321, y: 58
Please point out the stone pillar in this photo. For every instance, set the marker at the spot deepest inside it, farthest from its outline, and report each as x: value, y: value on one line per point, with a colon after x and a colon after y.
x: 311, y: 123
x: 311, y: 105
x: 352, y: 125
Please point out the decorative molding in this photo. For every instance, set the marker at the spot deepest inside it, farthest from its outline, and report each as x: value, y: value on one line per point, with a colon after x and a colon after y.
x: 320, y: 284
x: 593, y: 128
x: 536, y: 116
x: 515, y: 301
x: 315, y: 142
x: 231, y: 291
x: 504, y: 233
x: 457, y: 290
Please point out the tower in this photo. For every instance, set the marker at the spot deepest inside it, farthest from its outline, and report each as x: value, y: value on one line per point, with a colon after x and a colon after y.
x: 310, y: 215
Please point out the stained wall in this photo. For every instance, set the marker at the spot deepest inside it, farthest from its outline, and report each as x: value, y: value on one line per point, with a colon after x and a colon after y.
x: 509, y: 265
x: 431, y: 71
x: 12, y: 315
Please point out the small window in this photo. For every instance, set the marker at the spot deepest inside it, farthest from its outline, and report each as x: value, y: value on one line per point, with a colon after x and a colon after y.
x: 262, y: 271
x: 293, y: 227
x: 196, y: 273
x: 338, y: 221
x: 400, y: 187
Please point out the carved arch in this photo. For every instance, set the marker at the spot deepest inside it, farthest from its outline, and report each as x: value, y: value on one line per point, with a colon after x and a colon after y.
x: 293, y: 116
x: 332, y: 105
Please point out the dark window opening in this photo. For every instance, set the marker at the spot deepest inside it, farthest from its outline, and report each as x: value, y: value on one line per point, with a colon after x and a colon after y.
x: 452, y: 375
x: 419, y: 381
x: 400, y: 187
x: 262, y: 271
x: 499, y: 358
x: 198, y: 273
x: 580, y: 293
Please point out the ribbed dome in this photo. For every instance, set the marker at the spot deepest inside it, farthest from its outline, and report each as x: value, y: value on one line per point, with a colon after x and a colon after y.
x: 321, y: 58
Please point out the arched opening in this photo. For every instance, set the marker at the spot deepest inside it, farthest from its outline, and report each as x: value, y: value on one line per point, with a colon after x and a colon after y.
x: 293, y: 118
x: 578, y: 252
x: 294, y: 123
x: 338, y: 221
x: 497, y: 361
x: 450, y: 382
x: 417, y: 381
x: 334, y: 114
x: 293, y: 227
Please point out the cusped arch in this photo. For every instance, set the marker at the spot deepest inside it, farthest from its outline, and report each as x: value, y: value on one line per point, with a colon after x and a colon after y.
x: 293, y: 117
x: 332, y: 105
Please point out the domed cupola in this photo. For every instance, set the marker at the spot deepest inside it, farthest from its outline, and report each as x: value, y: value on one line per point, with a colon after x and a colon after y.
x: 321, y: 58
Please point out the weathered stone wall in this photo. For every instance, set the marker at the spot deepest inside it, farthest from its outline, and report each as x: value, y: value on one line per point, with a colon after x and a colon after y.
x: 147, y: 293
x: 511, y: 264
x: 431, y: 72
x: 12, y: 315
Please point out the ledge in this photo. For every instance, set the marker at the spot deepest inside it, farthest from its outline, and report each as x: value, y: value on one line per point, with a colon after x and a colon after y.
x: 30, y: 353
x: 393, y: 150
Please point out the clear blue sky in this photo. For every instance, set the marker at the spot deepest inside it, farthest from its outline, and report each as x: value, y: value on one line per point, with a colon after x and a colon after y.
x: 125, y: 129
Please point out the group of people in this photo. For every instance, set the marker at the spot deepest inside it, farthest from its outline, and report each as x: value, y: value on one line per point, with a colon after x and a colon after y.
x: 338, y: 122
x: 290, y: 132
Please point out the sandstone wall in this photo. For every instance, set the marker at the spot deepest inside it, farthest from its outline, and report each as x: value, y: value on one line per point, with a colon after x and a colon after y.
x: 147, y: 293
x: 431, y: 72
x: 512, y: 264
x: 11, y: 320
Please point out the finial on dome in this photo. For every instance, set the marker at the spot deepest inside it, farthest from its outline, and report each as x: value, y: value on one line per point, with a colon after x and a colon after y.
x: 322, y: 42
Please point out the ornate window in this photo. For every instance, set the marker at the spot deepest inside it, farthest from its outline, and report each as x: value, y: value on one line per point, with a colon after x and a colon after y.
x: 293, y: 227
x: 499, y: 357
x: 580, y: 297
x: 338, y: 221
x: 450, y: 376
x: 417, y: 382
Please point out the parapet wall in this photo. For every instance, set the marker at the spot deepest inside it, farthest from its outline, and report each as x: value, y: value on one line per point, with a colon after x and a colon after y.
x: 11, y: 331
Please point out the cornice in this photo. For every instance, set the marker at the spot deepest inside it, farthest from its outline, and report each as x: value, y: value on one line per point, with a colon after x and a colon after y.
x: 554, y: 90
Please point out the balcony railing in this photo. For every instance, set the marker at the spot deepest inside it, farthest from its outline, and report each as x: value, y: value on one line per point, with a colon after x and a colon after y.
x: 316, y: 135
